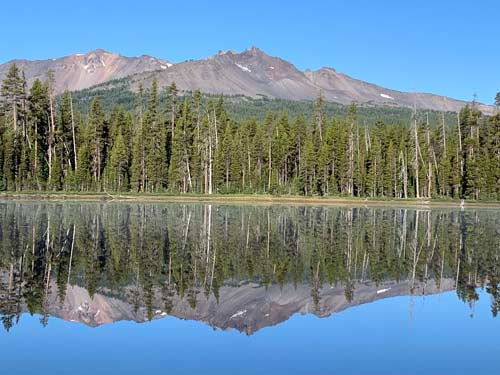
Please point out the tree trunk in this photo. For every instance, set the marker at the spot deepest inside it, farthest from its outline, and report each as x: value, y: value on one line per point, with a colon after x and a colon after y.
x: 73, y: 132
x: 417, y: 154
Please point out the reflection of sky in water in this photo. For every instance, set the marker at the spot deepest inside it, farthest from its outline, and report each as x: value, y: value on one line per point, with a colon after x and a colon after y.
x: 376, y: 338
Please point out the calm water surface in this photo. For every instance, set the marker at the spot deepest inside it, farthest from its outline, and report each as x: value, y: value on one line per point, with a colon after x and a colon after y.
x: 118, y: 288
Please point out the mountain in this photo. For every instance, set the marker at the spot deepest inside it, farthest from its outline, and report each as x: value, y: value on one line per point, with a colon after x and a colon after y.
x: 255, y: 74
x: 251, y: 73
x: 247, y: 308
x: 80, y: 71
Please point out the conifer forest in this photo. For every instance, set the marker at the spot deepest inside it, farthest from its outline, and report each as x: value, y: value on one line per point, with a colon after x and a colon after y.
x: 188, y: 143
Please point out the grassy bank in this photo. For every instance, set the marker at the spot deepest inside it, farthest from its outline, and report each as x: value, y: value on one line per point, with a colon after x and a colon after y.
x: 239, y: 198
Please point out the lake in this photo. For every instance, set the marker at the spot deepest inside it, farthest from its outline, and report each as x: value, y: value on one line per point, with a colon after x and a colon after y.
x: 138, y: 288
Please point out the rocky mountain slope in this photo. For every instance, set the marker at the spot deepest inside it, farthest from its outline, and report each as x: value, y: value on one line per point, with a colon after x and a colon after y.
x: 255, y: 74
x: 250, y: 73
x: 80, y: 71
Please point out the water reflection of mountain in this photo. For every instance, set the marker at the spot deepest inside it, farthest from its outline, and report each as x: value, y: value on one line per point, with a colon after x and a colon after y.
x: 247, y: 308
x: 240, y: 267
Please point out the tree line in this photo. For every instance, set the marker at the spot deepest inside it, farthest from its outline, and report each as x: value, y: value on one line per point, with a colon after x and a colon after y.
x: 191, y: 145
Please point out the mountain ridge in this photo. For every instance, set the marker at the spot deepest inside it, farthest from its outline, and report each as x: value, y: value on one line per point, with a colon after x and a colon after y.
x: 252, y: 73
x: 83, y: 70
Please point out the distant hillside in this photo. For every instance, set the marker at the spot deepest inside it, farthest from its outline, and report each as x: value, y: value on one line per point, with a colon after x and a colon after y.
x: 242, y: 108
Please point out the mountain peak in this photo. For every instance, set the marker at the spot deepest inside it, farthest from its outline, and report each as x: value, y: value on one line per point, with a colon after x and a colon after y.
x: 256, y: 52
x: 226, y: 52
x: 254, y: 49
x: 327, y: 69
x: 97, y: 51
x: 82, y: 70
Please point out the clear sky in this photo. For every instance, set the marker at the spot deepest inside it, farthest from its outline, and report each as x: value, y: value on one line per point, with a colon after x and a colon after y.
x: 442, y: 46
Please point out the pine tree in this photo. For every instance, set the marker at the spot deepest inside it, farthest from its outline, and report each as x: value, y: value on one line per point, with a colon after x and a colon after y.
x: 416, y: 153
x: 138, y: 164
x: 118, y: 167
x: 176, y: 177
x: 98, y: 137
x: 50, y: 83
x: 389, y: 171
x: 237, y: 167
x: 154, y: 143
x: 171, y: 114
x: 13, y: 97
x: 351, y: 121
x: 259, y: 151
x: 281, y: 146
x: 472, y: 178
x: 370, y: 180
x: 319, y: 116
x: 39, y: 114
x: 493, y: 146
x: 223, y: 159
x: 11, y: 159
x: 13, y: 104
x: 297, y: 137
x: 325, y: 162
x: 308, y: 166
x: 64, y: 138
x: 181, y: 162
x: 197, y: 143
x: 84, y: 180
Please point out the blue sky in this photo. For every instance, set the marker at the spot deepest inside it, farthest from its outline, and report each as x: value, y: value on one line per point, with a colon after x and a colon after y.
x: 445, y: 47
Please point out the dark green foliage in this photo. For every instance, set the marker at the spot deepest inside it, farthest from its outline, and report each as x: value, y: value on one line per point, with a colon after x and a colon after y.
x: 156, y: 142
x: 38, y: 109
x: 13, y: 95
x: 240, y: 108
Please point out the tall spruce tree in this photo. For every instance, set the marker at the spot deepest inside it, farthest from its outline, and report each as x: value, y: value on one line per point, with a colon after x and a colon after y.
x: 155, y: 138
x: 39, y: 115
x: 98, y: 142
x: 13, y: 97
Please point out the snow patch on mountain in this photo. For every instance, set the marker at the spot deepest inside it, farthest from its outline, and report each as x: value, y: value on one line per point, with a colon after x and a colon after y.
x: 239, y: 313
x: 385, y: 96
x: 244, y: 68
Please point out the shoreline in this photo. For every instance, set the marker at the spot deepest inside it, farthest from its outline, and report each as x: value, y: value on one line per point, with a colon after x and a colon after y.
x: 242, y: 199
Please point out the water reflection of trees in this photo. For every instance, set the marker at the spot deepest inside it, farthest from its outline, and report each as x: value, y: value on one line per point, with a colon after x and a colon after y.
x: 190, y: 251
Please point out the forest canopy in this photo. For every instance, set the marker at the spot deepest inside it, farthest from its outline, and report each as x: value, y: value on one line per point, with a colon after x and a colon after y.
x: 151, y: 141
